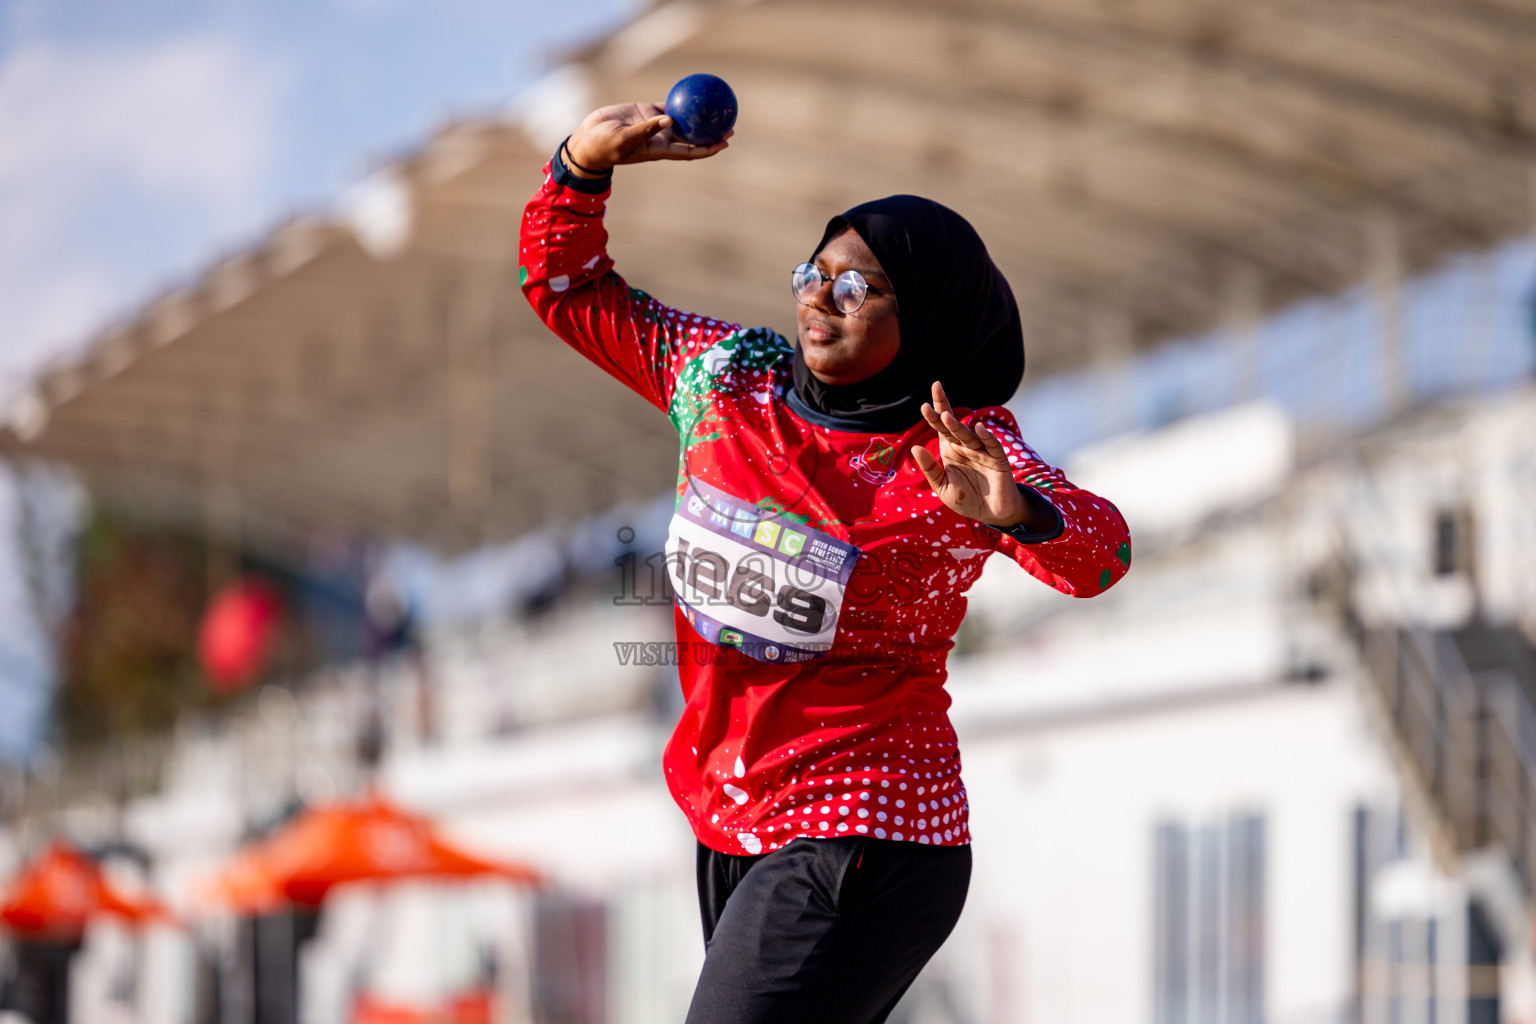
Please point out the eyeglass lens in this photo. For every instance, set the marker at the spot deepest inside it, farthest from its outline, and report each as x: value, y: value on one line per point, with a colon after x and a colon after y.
x: 849, y: 288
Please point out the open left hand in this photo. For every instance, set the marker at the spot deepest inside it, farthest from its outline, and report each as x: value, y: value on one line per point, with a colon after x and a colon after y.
x: 971, y: 475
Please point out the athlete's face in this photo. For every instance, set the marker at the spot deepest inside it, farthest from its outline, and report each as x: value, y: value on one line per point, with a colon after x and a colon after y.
x: 845, y: 348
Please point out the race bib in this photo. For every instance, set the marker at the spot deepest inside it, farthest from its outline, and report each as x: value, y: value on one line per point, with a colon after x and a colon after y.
x: 756, y: 581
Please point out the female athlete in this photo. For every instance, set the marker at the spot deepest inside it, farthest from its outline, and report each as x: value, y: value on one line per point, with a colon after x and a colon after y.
x: 835, y: 500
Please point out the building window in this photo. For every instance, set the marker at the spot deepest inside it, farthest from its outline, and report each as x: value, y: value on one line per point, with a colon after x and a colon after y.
x: 1209, y: 921
x: 1452, y: 552
x: 1410, y: 942
x: 570, y: 960
x: 1484, y: 953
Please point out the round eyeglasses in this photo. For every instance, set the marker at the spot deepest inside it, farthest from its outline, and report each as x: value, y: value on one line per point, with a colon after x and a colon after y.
x: 849, y: 288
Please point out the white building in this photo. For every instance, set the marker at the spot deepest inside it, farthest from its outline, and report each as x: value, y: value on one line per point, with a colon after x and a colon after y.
x: 1191, y: 802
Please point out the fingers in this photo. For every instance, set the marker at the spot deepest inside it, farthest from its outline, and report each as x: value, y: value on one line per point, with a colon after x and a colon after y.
x: 993, y: 445
x: 935, y: 419
x: 941, y: 417
x: 960, y: 437
x: 700, y: 152
x: 964, y: 434
x: 940, y: 399
x: 673, y: 148
x: 679, y: 150
x: 640, y: 131
x: 949, y: 428
x: 933, y: 469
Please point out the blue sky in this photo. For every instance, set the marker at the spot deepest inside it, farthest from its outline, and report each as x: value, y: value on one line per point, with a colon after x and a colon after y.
x: 140, y: 140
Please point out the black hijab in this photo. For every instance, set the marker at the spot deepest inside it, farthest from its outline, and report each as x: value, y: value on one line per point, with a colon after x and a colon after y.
x: 959, y: 322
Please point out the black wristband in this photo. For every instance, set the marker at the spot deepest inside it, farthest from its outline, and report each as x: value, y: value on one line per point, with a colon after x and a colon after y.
x: 563, y: 176
x: 1018, y: 531
x: 571, y: 162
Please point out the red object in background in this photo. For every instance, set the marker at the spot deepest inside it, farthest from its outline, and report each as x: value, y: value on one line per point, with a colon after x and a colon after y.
x: 472, y: 1008
x: 238, y: 631
x: 350, y: 842
x: 55, y: 895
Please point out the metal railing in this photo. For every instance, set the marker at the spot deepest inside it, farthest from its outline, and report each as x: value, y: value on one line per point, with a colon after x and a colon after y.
x: 1469, y: 739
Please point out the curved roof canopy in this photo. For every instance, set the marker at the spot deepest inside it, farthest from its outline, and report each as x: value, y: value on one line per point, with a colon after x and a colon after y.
x: 1141, y: 169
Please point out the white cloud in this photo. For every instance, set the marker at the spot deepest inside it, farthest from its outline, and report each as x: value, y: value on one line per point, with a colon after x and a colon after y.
x: 91, y: 134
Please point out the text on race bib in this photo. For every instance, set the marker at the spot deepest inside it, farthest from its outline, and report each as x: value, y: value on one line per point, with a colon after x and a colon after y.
x: 751, y: 579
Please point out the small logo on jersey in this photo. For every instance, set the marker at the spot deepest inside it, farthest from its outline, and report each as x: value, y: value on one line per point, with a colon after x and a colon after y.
x: 744, y: 524
x: 767, y: 534
x: 771, y: 653
x: 878, y: 463
x: 696, y: 505
x: 730, y: 636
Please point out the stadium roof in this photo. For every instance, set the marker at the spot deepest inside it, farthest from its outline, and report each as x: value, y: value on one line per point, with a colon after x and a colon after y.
x: 1141, y: 169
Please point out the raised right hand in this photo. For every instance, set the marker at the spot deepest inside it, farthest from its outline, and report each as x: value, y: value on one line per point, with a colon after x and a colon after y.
x: 630, y: 133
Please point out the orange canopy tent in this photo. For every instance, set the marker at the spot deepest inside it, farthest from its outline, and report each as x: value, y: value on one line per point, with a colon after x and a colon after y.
x: 473, y: 1008
x: 60, y: 891
x: 370, y: 839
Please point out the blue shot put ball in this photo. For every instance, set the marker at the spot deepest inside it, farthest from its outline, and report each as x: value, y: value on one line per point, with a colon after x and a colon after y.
x: 702, y: 108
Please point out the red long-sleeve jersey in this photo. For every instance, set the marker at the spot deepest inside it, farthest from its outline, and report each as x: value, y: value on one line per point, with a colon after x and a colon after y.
x: 819, y: 579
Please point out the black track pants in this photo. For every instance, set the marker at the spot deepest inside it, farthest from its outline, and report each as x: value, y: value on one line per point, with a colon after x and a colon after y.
x: 822, y: 931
